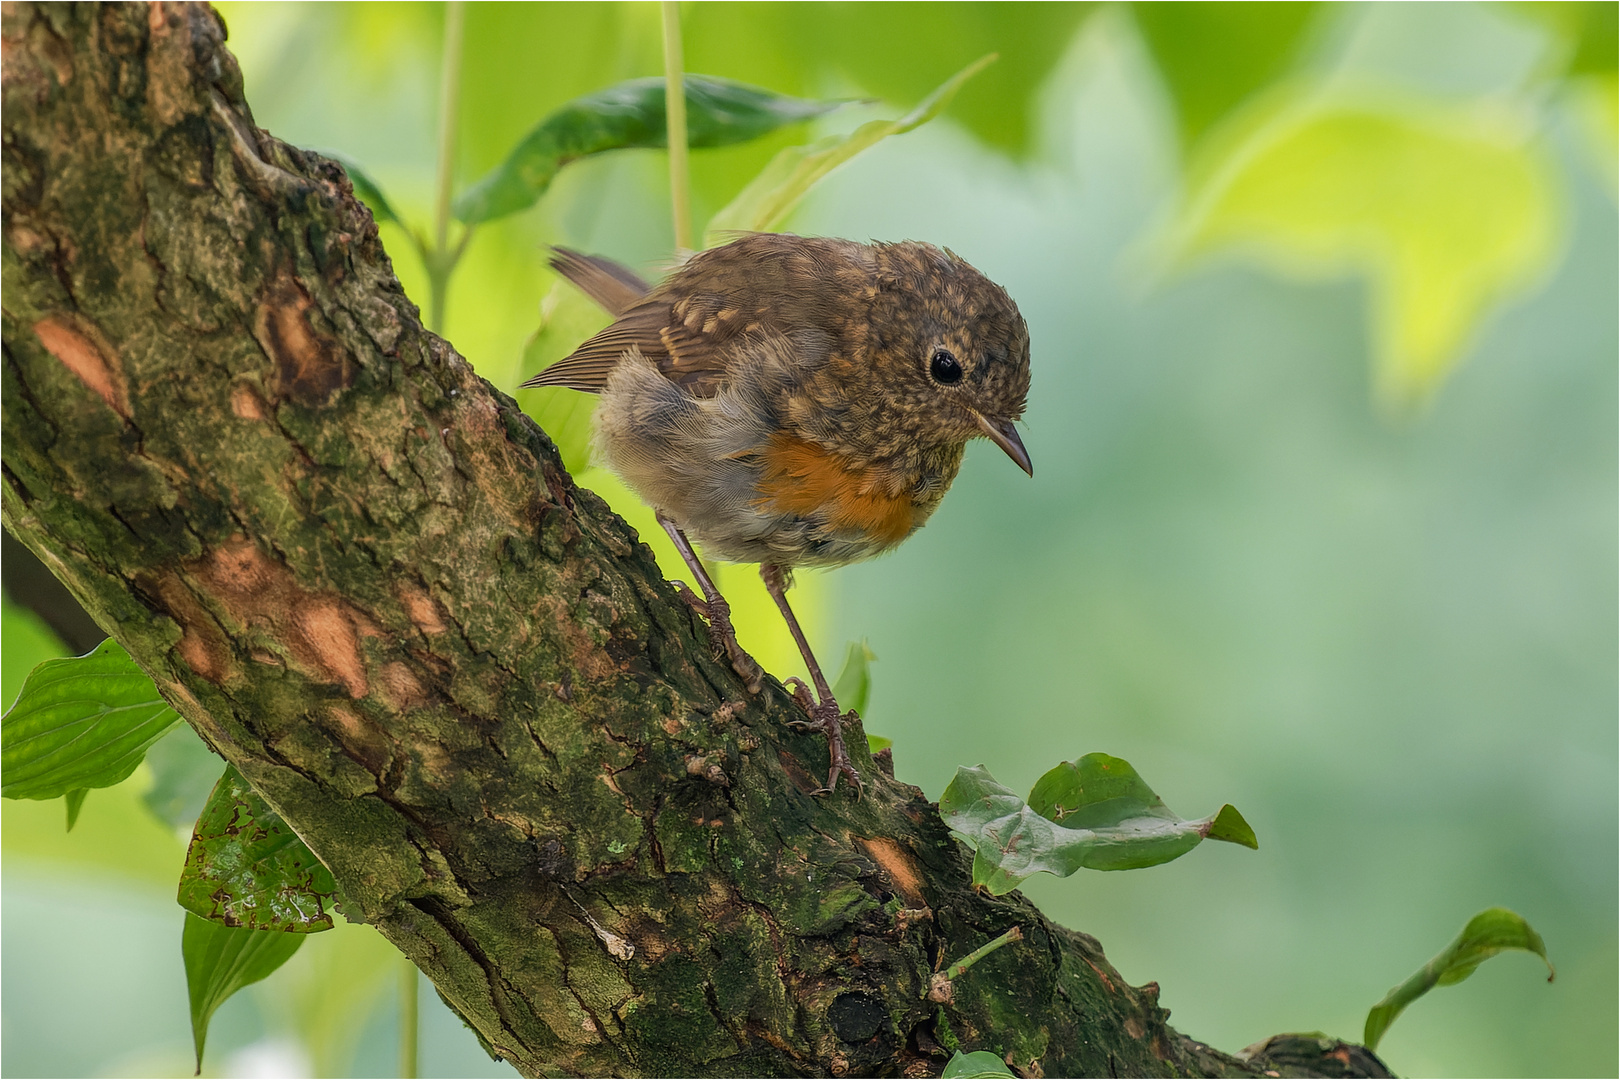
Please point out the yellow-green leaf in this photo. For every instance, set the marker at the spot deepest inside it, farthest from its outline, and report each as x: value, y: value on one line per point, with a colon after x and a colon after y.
x: 767, y: 201
x: 1447, y: 210
x: 1214, y: 55
x: 1492, y: 931
x: 80, y: 722
x: 854, y: 684
x: 567, y: 317
x: 220, y: 960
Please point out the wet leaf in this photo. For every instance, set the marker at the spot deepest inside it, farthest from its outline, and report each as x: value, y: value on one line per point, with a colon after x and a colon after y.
x: 719, y: 112
x: 766, y: 202
x: 80, y: 722
x: 246, y: 868
x: 1095, y: 813
x: 366, y: 189
x: 979, y: 1064
x: 220, y: 960
x: 1492, y: 931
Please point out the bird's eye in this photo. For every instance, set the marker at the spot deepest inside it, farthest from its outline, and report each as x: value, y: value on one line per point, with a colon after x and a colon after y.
x: 944, y: 368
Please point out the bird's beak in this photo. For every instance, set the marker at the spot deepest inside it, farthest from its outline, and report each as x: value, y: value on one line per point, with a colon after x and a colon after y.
x: 1004, y: 435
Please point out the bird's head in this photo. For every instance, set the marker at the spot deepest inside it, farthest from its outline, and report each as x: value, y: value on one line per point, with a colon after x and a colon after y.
x: 950, y: 348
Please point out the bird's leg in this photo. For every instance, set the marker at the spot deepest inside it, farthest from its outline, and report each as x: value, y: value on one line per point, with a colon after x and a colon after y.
x: 824, y: 714
x: 712, y: 607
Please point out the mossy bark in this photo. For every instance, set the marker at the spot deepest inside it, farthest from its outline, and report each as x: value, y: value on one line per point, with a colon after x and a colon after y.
x: 364, y: 576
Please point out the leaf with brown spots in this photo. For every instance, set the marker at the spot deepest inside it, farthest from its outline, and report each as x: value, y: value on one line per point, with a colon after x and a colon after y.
x: 246, y: 868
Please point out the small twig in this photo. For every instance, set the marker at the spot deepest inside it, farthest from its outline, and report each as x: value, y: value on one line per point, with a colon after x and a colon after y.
x: 675, y: 125
x: 940, y: 989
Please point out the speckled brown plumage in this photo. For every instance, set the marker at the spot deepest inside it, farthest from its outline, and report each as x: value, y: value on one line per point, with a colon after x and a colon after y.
x: 803, y: 342
x: 797, y: 401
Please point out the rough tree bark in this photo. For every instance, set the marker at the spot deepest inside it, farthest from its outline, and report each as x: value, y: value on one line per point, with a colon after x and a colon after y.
x: 364, y: 576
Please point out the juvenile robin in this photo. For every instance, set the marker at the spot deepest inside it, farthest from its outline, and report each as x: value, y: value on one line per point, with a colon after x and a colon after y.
x: 796, y: 401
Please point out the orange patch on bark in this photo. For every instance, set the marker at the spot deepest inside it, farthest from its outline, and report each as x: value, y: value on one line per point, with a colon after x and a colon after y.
x: 404, y: 689
x: 310, y: 367
x: 327, y: 627
x: 202, y: 643
x: 803, y: 478
x: 361, y: 739
x: 246, y: 404
x: 95, y: 363
x: 320, y: 631
x: 422, y: 609
x: 896, y: 865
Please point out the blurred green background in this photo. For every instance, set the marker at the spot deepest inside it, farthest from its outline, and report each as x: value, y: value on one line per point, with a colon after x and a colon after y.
x: 1323, y: 309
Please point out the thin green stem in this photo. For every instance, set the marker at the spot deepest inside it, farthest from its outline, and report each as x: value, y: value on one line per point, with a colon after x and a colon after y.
x: 953, y: 970
x: 675, y: 125
x: 441, y: 261
x: 407, y: 1019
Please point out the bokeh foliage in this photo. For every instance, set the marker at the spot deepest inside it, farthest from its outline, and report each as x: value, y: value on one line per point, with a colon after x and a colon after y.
x: 1447, y: 194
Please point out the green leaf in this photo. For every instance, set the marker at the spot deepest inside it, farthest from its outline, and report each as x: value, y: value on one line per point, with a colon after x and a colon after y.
x: 365, y: 188
x: 980, y: 1063
x: 567, y: 317
x: 1589, y: 32
x: 1446, y: 209
x: 854, y: 688
x: 773, y: 194
x: 1095, y: 813
x: 246, y: 868
x: 75, y: 802
x: 80, y: 722
x: 1492, y: 931
x: 797, y: 47
x: 719, y: 112
x: 1213, y: 56
x: 854, y: 684
x: 184, y: 772
x: 220, y: 960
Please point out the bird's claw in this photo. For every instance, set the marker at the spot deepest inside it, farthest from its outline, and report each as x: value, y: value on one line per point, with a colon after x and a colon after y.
x: 723, y: 636
x: 824, y: 716
x: 804, y: 699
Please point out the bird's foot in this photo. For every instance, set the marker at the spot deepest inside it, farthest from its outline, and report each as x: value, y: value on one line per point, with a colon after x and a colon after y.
x: 718, y: 614
x: 825, y: 718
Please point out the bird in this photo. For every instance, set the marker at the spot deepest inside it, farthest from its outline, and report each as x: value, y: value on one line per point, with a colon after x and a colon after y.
x: 795, y: 401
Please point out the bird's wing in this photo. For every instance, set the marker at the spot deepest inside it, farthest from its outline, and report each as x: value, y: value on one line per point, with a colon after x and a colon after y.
x: 687, y: 340
x: 612, y: 285
x: 696, y: 324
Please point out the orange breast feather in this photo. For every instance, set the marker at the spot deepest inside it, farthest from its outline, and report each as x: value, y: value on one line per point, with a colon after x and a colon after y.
x: 804, y: 479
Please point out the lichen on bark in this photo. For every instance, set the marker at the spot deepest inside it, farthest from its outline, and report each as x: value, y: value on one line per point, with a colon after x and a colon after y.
x: 365, y: 577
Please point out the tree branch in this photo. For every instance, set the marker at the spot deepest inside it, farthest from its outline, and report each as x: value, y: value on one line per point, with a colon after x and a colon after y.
x: 364, y: 576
